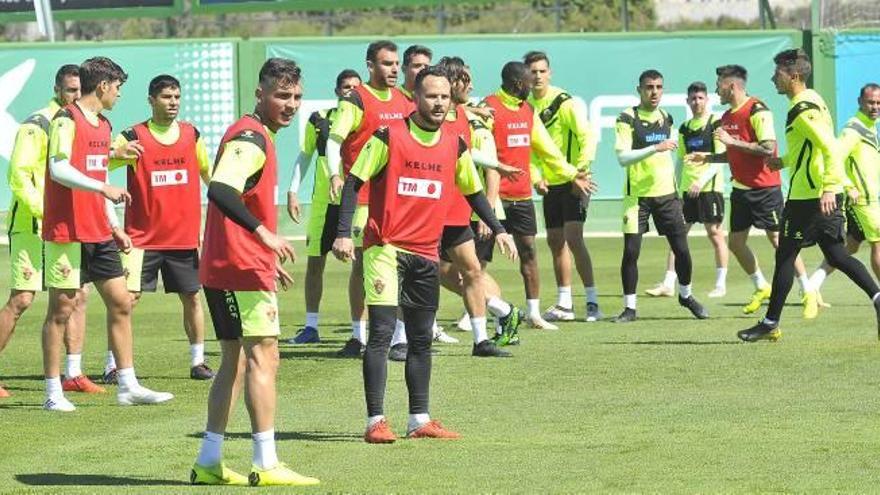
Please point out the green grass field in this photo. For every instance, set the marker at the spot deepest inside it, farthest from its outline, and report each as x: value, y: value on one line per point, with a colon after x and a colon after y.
x: 667, y: 404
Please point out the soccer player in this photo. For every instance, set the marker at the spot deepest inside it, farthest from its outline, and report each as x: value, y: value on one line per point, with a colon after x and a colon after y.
x: 165, y: 158
x: 460, y: 268
x: 813, y: 213
x: 324, y: 212
x: 360, y: 113
x: 241, y: 263
x: 415, y: 58
x: 565, y: 118
x: 27, y: 170
x: 82, y: 233
x: 701, y: 187
x: 413, y: 165
x: 756, y: 200
x: 861, y: 151
x: 518, y: 132
x: 644, y: 142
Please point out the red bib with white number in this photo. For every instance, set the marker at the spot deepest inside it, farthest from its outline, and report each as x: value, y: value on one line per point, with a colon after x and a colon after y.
x: 165, y: 211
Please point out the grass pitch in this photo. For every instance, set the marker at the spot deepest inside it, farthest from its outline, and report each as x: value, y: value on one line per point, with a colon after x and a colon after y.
x: 666, y: 404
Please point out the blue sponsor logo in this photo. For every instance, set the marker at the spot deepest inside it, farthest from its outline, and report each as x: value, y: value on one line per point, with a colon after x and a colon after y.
x: 656, y: 137
x: 695, y: 142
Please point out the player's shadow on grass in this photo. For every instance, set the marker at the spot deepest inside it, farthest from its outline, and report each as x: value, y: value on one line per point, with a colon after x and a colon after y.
x: 316, y: 355
x: 674, y: 342
x: 308, y: 436
x: 64, y: 479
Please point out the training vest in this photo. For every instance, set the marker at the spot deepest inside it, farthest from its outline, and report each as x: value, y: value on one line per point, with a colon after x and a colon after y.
x: 863, y: 161
x: 459, y: 209
x: 513, y: 140
x: 410, y: 198
x: 376, y: 113
x: 700, y: 141
x: 75, y: 215
x: 644, y: 178
x: 165, y: 211
x: 232, y: 257
x: 747, y: 169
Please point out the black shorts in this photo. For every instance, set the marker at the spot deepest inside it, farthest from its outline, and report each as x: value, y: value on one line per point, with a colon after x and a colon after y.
x: 706, y: 208
x: 561, y: 206
x: 761, y: 208
x: 664, y: 210
x: 328, y: 232
x: 418, y: 280
x: 803, y: 221
x: 521, y: 218
x: 485, y: 247
x: 454, y: 235
x: 99, y: 261
x: 853, y: 227
x: 179, y: 267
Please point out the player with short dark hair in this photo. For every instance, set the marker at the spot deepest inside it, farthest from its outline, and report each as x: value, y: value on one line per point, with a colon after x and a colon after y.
x: 565, y: 118
x: 701, y: 187
x: 413, y: 165
x: 240, y: 268
x: 82, y: 233
x: 813, y: 211
x: 324, y: 212
x: 644, y: 142
x: 165, y: 158
x: 415, y: 58
x: 27, y: 170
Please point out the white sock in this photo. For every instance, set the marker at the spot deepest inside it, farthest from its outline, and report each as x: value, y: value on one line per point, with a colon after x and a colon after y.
x: 758, y: 279
x: 563, y: 297
x: 196, y: 354
x: 498, y: 307
x: 669, y: 279
x: 265, y: 456
x: 592, y: 294
x: 417, y: 420
x: 720, y: 277
x: 74, y: 366
x: 127, y: 379
x: 874, y: 299
x: 53, y: 388
x: 478, y: 326
x: 534, y: 307
x: 110, y: 363
x: 770, y: 322
x: 399, y: 336
x: 312, y: 320
x: 435, y: 327
x: 211, y: 452
x: 359, y: 330
x: 818, y: 278
x: 374, y: 419
x: 684, y: 291
x: 804, y: 282
x: 629, y: 301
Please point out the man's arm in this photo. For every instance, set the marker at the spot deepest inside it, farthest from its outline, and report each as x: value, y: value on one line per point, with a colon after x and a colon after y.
x: 30, y: 140
x: 544, y: 148
x: 203, y: 159
x: 573, y: 114
x: 765, y: 136
x: 125, y: 150
x: 349, y: 115
x: 809, y: 123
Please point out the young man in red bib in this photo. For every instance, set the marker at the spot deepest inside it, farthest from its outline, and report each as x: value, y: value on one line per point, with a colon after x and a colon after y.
x: 360, y: 113
x: 82, y: 232
x: 413, y: 165
x: 166, y: 157
x: 240, y: 266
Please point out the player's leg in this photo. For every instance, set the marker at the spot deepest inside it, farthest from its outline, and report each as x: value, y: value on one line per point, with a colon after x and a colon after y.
x: 103, y: 266
x: 26, y: 259
x: 356, y: 293
x: 574, y: 215
x: 209, y: 468
x: 180, y: 274
x: 809, y: 298
x: 552, y: 206
x: 669, y: 219
x: 381, y: 269
x: 467, y: 266
x: 666, y: 288
x: 323, y: 220
x: 761, y: 208
x: 715, y: 233
x: 74, y: 339
x: 635, y: 224
x: 783, y: 279
x: 528, y: 268
x: 19, y: 301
